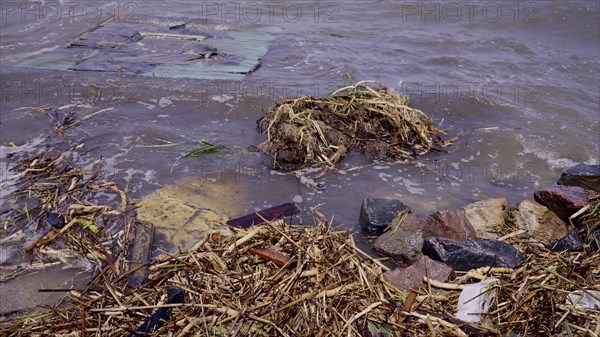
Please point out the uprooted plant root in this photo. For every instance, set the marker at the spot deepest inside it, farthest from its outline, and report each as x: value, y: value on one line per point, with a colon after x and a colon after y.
x: 310, y: 131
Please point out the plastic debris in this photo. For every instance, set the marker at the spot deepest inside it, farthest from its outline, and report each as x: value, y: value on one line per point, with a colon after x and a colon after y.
x: 585, y: 299
x: 474, y: 300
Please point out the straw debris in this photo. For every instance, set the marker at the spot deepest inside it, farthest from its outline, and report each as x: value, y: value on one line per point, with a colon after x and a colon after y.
x: 58, y: 197
x: 310, y: 131
x: 271, y: 280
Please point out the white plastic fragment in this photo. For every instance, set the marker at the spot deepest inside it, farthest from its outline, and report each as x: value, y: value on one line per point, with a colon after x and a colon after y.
x: 589, y: 299
x: 474, y: 300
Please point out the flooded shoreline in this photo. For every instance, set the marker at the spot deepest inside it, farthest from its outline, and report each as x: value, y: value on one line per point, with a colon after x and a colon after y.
x: 521, y: 96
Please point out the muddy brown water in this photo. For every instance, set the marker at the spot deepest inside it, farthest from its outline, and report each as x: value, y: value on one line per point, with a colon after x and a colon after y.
x: 517, y: 82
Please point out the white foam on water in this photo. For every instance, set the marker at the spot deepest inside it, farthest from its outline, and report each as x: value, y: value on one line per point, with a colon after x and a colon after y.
x: 165, y: 102
x: 552, y: 158
x: 384, y: 176
x: 147, y: 105
x: 8, y: 179
x: 221, y: 98
x: 410, y: 186
x: 593, y: 160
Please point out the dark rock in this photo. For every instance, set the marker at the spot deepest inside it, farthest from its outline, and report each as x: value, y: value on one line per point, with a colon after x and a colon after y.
x: 411, y: 277
x: 582, y: 175
x: 451, y: 224
x: 563, y: 200
x: 467, y: 255
x: 377, y: 214
x: 570, y: 242
x: 404, y: 240
x: 539, y: 222
x: 55, y: 220
x: 595, y: 240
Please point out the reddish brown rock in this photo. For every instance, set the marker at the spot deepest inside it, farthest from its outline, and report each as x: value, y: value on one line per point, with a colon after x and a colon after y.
x: 411, y: 277
x: 563, y: 200
x: 451, y: 224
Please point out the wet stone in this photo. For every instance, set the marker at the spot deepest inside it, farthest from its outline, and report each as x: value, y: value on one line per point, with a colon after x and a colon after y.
x: 404, y: 240
x: 563, y: 200
x: 55, y: 220
x: 570, y: 242
x: 582, y: 175
x: 539, y: 222
x: 451, y: 224
x: 487, y: 217
x: 411, y: 277
x: 467, y: 255
x: 377, y: 214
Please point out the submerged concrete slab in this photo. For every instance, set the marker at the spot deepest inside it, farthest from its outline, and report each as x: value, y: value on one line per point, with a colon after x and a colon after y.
x: 162, y: 47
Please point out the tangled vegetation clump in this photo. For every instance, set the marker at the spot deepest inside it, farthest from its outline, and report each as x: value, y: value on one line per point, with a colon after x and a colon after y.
x: 310, y: 131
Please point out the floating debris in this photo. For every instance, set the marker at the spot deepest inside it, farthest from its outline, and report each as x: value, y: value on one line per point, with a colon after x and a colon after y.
x: 269, y: 214
x: 310, y: 131
x: 204, y: 148
x: 151, y: 46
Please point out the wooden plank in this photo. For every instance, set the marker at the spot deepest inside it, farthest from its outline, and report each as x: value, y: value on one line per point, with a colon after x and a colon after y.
x: 271, y: 255
x: 269, y: 214
x: 139, y: 253
x: 176, y: 36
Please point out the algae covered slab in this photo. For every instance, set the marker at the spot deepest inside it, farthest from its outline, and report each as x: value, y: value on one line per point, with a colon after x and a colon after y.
x: 188, y: 210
